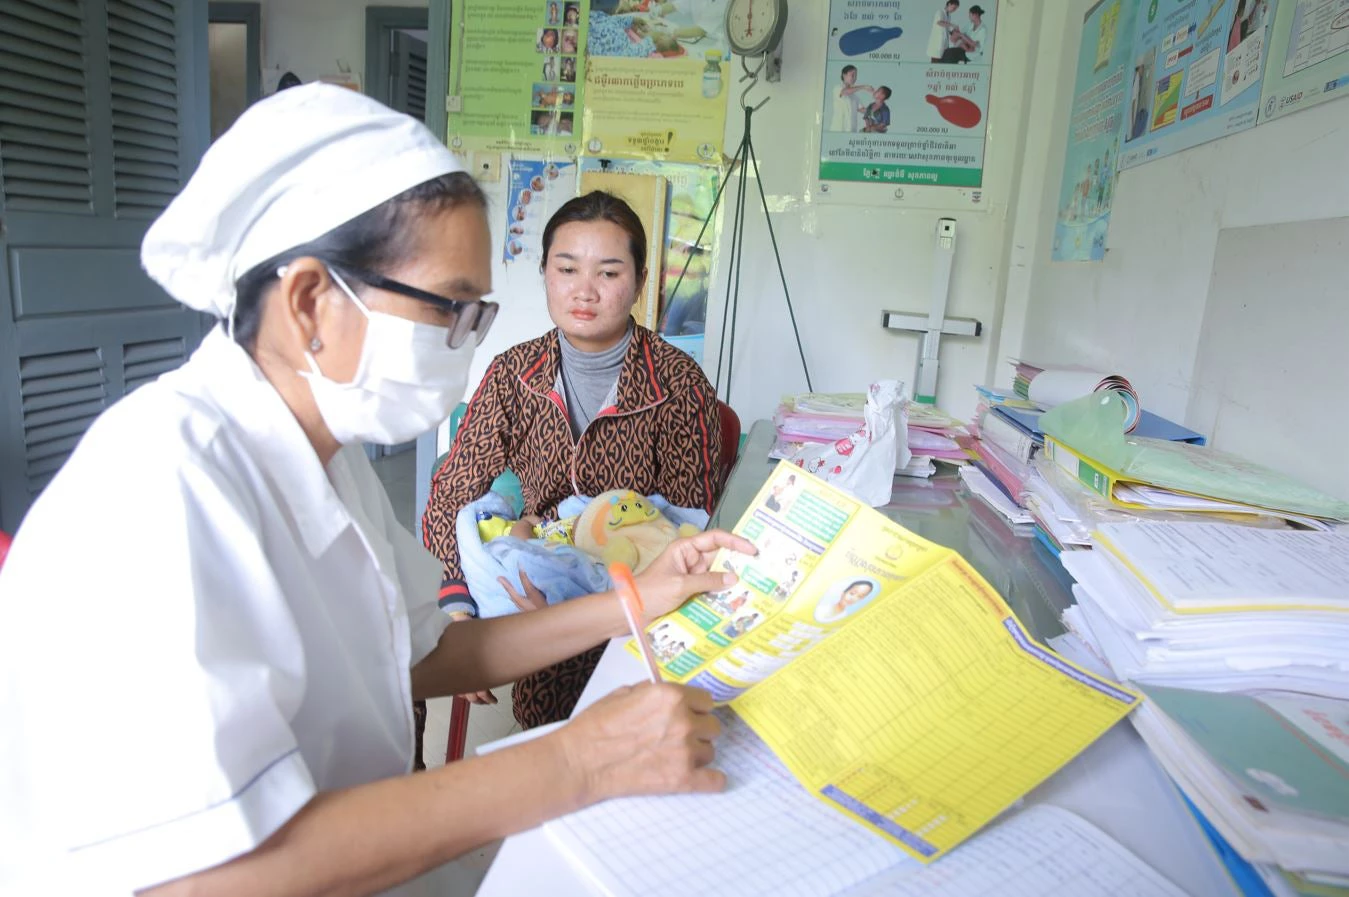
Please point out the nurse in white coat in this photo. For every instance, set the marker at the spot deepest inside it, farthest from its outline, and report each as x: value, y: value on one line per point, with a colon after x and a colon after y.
x: 212, y: 628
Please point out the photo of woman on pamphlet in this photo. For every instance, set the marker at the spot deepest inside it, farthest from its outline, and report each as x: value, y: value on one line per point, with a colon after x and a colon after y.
x: 740, y: 625
x: 845, y: 598
x: 780, y: 495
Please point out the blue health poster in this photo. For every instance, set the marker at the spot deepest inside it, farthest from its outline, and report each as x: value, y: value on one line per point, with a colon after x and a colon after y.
x: 1099, y: 94
x: 1194, y: 76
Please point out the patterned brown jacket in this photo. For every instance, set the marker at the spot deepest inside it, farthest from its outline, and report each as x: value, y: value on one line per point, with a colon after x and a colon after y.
x: 661, y: 436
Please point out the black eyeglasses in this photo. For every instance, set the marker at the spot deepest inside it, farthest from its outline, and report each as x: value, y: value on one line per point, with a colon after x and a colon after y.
x: 469, y: 316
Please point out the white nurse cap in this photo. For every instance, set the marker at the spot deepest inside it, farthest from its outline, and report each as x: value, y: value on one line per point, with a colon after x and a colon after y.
x: 293, y: 167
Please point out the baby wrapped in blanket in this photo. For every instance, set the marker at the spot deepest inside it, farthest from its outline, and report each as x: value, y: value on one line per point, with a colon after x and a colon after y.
x: 567, y: 557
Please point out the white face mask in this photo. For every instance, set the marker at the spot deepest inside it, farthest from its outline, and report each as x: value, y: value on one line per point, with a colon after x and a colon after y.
x: 406, y: 383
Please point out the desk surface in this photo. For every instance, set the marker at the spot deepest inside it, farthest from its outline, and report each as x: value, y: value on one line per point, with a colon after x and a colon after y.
x: 1115, y: 784
x: 1029, y: 578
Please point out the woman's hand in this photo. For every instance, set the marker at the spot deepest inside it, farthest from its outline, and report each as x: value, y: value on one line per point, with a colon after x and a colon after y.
x: 681, y: 571
x: 644, y: 739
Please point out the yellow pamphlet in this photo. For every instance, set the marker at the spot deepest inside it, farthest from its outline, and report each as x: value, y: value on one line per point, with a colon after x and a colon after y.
x: 884, y: 672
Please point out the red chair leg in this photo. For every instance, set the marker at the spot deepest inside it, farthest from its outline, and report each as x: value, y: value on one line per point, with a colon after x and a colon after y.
x: 454, y: 745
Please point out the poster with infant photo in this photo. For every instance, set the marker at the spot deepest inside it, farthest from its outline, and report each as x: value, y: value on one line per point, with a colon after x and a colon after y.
x: 535, y: 191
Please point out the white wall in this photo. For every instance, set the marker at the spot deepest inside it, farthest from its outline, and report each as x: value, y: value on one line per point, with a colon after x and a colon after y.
x: 227, y: 43
x: 314, y: 38
x: 844, y: 263
x: 1142, y: 310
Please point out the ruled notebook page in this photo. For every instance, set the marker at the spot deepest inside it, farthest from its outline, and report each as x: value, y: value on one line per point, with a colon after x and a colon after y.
x: 1042, y: 851
x: 765, y: 835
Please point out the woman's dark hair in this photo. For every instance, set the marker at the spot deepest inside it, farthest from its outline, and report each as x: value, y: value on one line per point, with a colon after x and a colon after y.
x: 860, y: 582
x: 373, y: 241
x: 599, y: 206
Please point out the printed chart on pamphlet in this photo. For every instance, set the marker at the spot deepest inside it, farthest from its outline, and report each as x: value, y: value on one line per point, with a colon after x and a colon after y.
x: 923, y: 723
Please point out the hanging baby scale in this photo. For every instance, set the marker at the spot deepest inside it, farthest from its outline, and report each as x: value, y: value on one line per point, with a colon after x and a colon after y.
x: 753, y: 28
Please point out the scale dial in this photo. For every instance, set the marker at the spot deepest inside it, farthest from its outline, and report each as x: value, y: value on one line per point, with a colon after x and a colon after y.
x: 755, y: 27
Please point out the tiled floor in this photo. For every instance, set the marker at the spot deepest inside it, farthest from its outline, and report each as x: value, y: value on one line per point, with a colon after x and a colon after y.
x: 486, y: 722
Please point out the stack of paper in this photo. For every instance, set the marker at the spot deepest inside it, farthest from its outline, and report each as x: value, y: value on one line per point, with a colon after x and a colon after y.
x: 1055, y: 504
x: 1008, y: 450
x: 984, y: 487
x: 1240, y: 637
x: 830, y: 417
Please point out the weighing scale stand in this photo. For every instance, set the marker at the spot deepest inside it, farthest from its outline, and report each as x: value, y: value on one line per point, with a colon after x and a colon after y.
x: 744, y: 157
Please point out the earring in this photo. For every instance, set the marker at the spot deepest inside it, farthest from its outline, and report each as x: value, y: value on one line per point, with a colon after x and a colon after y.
x: 315, y: 345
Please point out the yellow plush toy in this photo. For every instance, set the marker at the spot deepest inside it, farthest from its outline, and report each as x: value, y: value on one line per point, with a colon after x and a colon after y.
x: 620, y: 525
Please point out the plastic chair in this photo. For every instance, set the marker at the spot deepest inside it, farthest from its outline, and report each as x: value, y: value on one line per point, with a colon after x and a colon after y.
x: 507, y: 485
x: 730, y: 440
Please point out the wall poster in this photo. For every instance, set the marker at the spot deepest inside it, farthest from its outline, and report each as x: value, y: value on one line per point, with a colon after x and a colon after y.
x: 692, y: 189
x: 1087, y: 189
x: 657, y: 76
x: 1308, y: 56
x: 517, y: 75
x: 906, y: 91
x: 1194, y: 75
x: 536, y: 188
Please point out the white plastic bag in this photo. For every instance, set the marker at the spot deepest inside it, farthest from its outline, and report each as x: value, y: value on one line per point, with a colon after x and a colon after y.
x: 864, y: 463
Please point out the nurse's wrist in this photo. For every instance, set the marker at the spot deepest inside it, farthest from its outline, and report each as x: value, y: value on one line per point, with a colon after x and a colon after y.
x: 610, y: 609
x: 576, y: 788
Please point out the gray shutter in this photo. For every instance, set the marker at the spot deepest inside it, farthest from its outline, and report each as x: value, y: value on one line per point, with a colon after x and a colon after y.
x: 44, y: 126
x: 409, y: 75
x: 102, y: 117
x: 143, y: 60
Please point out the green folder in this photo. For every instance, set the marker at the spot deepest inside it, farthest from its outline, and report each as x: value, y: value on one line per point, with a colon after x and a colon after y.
x: 1285, y: 750
x: 1093, y: 427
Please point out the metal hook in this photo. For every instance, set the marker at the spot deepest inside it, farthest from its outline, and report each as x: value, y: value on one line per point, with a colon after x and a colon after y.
x: 753, y: 78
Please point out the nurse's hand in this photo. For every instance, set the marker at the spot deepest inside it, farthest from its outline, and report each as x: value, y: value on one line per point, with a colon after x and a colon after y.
x: 644, y: 739
x: 682, y: 571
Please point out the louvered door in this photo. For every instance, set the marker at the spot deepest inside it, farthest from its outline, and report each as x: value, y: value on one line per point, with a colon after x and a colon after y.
x: 102, y: 116
x: 408, y: 65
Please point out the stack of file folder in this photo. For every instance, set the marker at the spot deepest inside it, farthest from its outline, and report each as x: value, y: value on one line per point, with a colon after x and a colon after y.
x: 1008, y: 460
x: 1239, y: 637
x: 1085, y: 438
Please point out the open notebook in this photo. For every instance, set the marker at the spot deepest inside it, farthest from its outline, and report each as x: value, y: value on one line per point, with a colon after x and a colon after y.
x: 766, y: 835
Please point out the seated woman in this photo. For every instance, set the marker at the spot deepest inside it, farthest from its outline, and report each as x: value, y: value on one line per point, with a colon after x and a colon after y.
x: 598, y: 403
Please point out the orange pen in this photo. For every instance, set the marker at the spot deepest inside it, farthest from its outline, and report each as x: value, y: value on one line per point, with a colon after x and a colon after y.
x: 631, y: 600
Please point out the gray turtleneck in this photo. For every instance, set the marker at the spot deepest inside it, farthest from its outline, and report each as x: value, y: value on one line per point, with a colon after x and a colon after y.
x: 590, y: 379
